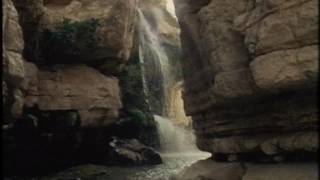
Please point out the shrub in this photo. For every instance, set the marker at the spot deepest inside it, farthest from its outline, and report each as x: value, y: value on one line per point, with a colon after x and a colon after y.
x: 138, y: 117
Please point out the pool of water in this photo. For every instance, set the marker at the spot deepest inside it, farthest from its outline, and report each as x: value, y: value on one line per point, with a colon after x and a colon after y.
x: 172, y: 163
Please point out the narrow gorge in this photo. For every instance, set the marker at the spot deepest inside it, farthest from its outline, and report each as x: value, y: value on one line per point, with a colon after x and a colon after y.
x: 160, y: 89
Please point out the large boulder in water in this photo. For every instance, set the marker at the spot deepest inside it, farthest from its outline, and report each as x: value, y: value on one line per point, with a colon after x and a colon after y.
x: 132, y: 152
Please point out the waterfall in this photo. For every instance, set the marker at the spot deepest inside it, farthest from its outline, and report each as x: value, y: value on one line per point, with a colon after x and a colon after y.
x: 174, y: 138
x: 153, y: 58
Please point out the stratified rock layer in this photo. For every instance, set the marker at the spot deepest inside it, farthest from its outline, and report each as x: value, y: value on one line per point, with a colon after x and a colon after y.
x: 251, y: 70
x: 238, y: 85
x: 51, y: 84
x: 113, y: 36
x: 96, y: 97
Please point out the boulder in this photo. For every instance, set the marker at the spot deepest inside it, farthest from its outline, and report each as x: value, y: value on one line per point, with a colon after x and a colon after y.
x: 286, y: 69
x: 277, y: 25
x: 94, y: 96
x: 250, y: 73
x: 99, y: 32
x: 132, y: 152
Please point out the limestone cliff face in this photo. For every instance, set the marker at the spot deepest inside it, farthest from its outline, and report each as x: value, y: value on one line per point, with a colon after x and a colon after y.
x: 77, y: 87
x: 116, y: 20
x: 72, y: 47
x: 113, y: 34
x: 250, y: 70
x: 13, y: 68
x: 61, y: 62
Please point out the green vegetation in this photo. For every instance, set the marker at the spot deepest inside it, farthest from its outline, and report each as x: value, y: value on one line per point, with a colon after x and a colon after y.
x: 138, y: 117
x: 70, y: 39
x: 133, y: 78
x: 132, y: 85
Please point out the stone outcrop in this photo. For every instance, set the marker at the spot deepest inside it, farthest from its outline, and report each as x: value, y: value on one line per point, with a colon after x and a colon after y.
x: 116, y: 20
x: 72, y: 48
x: 132, y: 152
x: 98, y: 33
x: 96, y: 97
x: 251, y: 70
x: 13, y: 68
x: 62, y: 65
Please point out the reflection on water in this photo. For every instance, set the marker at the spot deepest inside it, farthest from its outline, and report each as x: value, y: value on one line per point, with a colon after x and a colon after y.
x: 172, y: 163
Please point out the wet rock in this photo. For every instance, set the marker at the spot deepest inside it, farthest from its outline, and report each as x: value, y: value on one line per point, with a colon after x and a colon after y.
x: 132, y: 152
x: 208, y: 169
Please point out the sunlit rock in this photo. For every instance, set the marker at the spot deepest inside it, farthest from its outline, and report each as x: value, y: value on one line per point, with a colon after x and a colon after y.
x: 95, y: 96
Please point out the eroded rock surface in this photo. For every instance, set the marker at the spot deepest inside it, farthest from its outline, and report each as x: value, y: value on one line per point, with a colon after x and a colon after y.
x: 83, y: 31
x: 244, y: 72
x: 81, y: 88
x: 251, y: 70
x: 13, y: 68
x: 132, y: 152
x: 62, y: 61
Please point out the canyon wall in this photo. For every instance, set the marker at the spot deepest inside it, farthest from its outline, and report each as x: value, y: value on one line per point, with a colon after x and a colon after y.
x: 73, y: 52
x: 64, y: 64
x: 250, y: 70
x: 13, y: 67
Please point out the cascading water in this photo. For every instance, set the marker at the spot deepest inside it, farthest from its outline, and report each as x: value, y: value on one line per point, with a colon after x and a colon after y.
x: 153, y: 56
x: 173, y: 138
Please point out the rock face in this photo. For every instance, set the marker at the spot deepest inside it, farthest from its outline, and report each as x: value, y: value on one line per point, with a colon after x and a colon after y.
x: 116, y: 20
x: 62, y: 63
x: 251, y: 70
x: 13, y: 68
x: 93, y: 30
x: 64, y: 38
x: 81, y: 88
